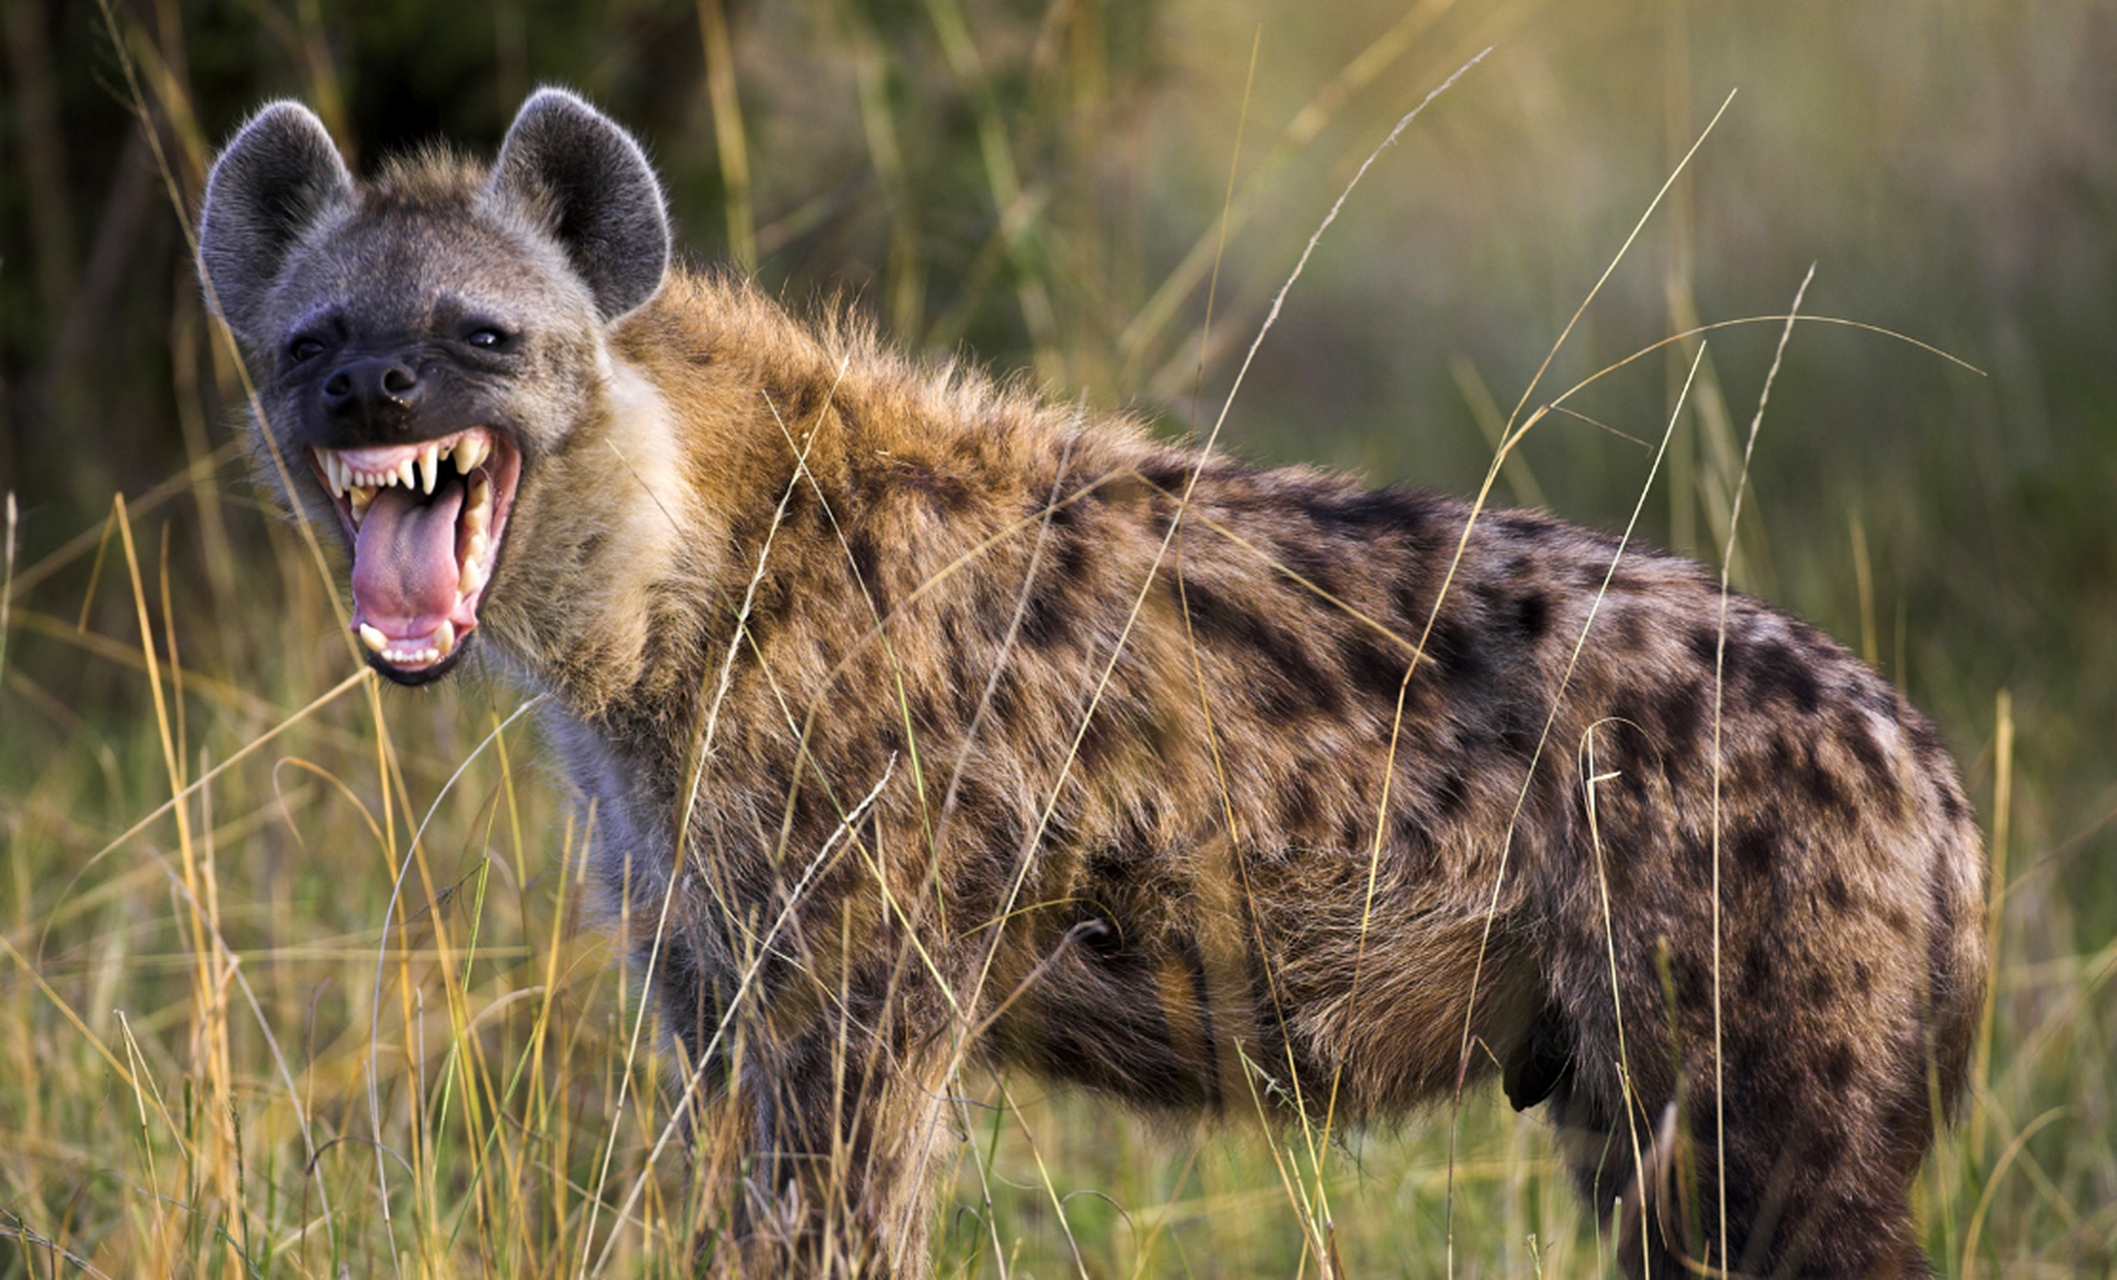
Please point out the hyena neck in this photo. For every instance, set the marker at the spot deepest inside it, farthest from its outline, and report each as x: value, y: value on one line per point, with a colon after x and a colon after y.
x: 612, y: 538
x: 649, y: 525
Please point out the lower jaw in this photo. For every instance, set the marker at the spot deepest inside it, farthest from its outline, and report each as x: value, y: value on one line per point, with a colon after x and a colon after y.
x: 413, y: 654
x: 413, y: 677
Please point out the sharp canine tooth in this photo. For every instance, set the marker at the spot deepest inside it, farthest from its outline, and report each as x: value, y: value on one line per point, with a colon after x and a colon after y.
x: 429, y: 467
x: 470, y: 454
x: 404, y: 474
x: 373, y: 639
x: 444, y: 638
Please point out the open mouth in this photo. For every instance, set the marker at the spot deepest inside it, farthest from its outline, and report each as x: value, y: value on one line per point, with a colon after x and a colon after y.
x: 425, y: 521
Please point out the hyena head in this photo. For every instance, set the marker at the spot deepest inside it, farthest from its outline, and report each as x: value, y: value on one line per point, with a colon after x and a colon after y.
x: 426, y: 344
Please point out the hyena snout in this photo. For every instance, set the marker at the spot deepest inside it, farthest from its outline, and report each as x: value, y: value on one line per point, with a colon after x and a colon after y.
x: 380, y: 393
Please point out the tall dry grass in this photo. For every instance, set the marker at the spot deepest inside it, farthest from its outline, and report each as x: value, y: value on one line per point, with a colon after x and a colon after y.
x: 300, y: 976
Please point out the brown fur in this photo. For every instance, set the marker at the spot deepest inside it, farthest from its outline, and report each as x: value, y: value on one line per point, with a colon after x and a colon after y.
x: 1152, y: 821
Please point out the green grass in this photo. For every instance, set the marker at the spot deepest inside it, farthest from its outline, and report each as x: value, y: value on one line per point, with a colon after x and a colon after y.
x: 214, y: 1062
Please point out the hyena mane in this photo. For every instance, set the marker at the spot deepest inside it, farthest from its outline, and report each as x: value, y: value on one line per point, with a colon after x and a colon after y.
x: 928, y: 721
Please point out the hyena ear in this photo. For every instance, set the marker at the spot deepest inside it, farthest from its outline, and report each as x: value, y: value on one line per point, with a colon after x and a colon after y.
x: 587, y: 181
x: 277, y: 179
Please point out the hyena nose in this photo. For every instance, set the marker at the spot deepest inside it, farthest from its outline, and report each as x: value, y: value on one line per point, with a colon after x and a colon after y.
x: 377, y: 390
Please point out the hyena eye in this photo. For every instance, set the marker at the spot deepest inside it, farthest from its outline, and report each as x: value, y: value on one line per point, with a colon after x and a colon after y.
x: 486, y: 338
x: 304, y: 348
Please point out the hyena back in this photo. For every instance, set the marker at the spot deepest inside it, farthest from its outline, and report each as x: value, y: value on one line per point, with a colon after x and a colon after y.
x: 940, y: 722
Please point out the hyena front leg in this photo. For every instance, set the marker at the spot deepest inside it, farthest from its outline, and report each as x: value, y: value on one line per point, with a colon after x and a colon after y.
x: 847, y: 1119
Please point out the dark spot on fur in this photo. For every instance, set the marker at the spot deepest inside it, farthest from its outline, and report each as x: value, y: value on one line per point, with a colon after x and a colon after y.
x: 1451, y: 794
x: 1839, y: 1062
x: 1821, y: 787
x: 1413, y: 843
x: 1754, y: 845
x: 1523, y: 524
x: 963, y: 686
x: 1621, y: 743
x: 946, y: 494
x: 1376, y: 666
x: 1007, y: 696
x: 1682, y: 721
x: 1698, y: 854
x: 1161, y: 513
x: 1042, y: 625
x: 1076, y: 557
x: 1898, y: 920
x: 1631, y: 627
x: 1518, y: 728
x: 1170, y: 475
x: 1694, y: 982
x: 1821, y: 989
x: 1413, y: 606
x: 1452, y: 651
x: 1304, y: 806
x: 1777, y: 672
x: 1704, y: 644
x: 1103, y: 736
x: 1290, y: 672
x: 1760, y: 971
x: 866, y: 565
x: 1862, y: 977
x: 1835, y: 892
x: 1881, y: 779
x: 1532, y: 615
x: 1368, y: 512
x: 1310, y: 567
x: 1358, y: 831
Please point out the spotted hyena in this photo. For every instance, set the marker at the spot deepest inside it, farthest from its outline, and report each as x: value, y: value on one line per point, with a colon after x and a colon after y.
x: 928, y: 721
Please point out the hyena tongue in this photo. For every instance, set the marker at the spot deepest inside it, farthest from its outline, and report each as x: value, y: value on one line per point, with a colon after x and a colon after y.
x: 404, y: 562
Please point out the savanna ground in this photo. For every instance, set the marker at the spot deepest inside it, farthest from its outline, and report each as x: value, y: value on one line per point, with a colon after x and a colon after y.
x: 229, y: 1049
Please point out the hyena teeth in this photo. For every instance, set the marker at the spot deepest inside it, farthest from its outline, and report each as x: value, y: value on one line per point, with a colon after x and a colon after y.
x: 444, y: 639
x: 373, y: 638
x: 471, y: 454
x: 404, y: 474
x: 475, y: 553
x: 470, y: 577
x: 429, y: 467
x: 477, y: 514
x: 360, y: 500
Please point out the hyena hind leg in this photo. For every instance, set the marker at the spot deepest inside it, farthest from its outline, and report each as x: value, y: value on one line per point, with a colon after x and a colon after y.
x: 1823, y: 1195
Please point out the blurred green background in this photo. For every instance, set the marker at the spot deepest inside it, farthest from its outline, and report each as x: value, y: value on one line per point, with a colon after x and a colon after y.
x: 1042, y: 186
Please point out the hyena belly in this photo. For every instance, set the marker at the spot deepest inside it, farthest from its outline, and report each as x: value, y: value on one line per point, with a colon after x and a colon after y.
x: 923, y: 721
